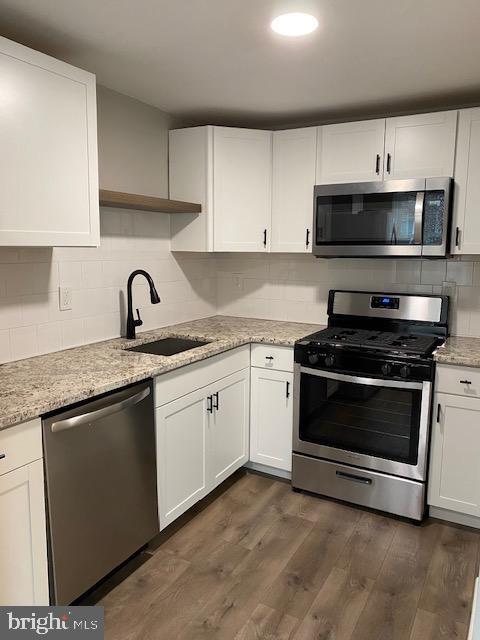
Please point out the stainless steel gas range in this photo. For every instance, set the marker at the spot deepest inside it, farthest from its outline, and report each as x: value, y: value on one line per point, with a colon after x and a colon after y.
x: 363, y: 397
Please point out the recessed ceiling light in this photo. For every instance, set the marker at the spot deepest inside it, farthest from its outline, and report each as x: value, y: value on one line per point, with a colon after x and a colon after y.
x: 294, y: 24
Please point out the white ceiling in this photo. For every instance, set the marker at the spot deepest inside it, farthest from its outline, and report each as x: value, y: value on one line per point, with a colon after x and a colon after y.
x: 218, y: 61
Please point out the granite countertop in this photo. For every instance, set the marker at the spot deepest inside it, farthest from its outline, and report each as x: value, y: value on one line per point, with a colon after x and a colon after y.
x: 32, y: 387
x: 460, y: 351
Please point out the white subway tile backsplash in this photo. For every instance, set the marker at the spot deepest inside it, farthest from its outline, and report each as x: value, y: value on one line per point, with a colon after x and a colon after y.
x: 276, y: 286
x: 5, y: 346
x: 49, y: 337
x: 296, y: 287
x: 433, y: 271
x: 70, y: 274
x: 23, y: 342
x: 30, y: 319
x: 460, y: 272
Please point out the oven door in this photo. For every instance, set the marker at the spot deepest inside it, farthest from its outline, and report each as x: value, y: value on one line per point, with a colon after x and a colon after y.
x: 368, y: 422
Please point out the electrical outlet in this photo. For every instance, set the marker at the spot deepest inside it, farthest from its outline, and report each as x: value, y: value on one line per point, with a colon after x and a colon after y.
x: 64, y: 298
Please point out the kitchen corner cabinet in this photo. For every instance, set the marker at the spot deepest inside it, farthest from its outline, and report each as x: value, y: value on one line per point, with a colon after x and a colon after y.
x: 227, y: 170
x: 454, y: 482
x: 467, y: 184
x: 350, y: 152
x: 293, y: 179
x: 23, y: 543
x: 202, y: 435
x: 48, y: 138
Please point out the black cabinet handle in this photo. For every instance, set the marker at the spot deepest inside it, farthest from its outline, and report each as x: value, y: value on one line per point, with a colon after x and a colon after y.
x: 465, y: 382
x: 287, y: 390
x: 389, y: 162
x: 264, y: 237
x: 377, y: 164
x: 457, y: 237
x: 215, y: 397
x: 353, y: 478
x: 307, y: 238
x: 439, y: 411
x: 2, y: 456
x: 209, y: 404
x: 268, y: 357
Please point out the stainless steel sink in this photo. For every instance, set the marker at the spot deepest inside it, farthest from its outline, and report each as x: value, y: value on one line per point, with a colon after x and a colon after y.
x: 168, y: 346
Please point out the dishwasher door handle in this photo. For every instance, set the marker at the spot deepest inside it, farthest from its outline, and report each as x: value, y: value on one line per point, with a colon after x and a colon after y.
x: 97, y: 414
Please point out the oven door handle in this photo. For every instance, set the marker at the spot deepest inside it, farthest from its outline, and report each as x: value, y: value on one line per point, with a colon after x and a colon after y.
x: 377, y: 382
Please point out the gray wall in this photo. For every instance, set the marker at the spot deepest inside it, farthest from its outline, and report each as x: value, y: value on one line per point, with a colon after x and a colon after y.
x: 132, y: 144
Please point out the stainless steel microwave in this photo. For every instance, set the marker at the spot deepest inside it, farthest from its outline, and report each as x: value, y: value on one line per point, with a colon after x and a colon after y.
x: 395, y: 218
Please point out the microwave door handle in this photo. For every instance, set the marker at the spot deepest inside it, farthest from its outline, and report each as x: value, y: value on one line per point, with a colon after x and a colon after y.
x: 418, y: 223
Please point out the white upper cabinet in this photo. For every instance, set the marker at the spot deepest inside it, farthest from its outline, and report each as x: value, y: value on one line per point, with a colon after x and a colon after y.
x: 350, y: 152
x: 467, y: 184
x: 420, y: 146
x: 48, y: 142
x: 228, y: 171
x: 294, y: 160
x: 242, y: 189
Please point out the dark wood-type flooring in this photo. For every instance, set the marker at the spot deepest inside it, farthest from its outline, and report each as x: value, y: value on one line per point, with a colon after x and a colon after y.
x: 261, y: 562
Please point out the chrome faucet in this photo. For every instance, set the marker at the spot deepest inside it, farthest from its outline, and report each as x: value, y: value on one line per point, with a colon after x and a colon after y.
x: 132, y: 322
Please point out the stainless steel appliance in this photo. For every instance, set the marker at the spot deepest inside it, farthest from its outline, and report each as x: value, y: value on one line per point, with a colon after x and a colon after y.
x: 400, y: 218
x: 362, y: 400
x: 101, y: 487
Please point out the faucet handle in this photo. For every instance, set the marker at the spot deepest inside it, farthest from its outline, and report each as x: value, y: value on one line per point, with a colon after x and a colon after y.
x: 138, y: 321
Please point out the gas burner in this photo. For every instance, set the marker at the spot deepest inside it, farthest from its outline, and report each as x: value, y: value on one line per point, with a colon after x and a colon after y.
x: 383, y: 341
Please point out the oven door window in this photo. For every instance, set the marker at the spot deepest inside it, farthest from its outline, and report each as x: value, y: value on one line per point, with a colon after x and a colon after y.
x: 368, y: 419
x: 367, y: 219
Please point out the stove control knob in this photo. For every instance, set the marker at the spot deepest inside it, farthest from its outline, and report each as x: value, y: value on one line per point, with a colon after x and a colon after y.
x: 386, y: 368
x: 329, y: 361
x: 405, y: 371
x: 312, y: 357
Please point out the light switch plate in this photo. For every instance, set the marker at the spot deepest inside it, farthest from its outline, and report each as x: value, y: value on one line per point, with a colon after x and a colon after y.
x: 64, y: 298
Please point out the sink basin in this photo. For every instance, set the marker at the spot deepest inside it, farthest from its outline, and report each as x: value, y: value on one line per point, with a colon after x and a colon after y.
x: 168, y: 346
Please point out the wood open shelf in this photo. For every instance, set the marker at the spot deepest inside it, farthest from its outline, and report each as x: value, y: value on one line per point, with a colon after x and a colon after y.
x: 146, y: 203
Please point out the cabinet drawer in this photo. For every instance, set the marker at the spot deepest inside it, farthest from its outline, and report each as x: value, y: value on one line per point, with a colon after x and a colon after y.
x: 272, y: 357
x: 177, y: 383
x: 463, y: 381
x: 20, y: 445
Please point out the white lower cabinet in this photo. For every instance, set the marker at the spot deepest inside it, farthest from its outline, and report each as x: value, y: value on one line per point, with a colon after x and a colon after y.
x: 228, y: 426
x: 23, y: 541
x: 271, y: 418
x: 203, y: 435
x: 454, y: 468
x: 181, y: 454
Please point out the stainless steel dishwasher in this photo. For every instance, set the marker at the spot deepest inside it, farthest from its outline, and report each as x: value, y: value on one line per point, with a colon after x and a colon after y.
x: 101, y: 487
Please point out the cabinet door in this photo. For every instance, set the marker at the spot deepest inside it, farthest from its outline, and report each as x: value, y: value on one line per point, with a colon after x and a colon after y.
x: 271, y: 418
x: 48, y: 162
x: 420, y: 146
x: 242, y: 189
x: 467, y: 184
x: 294, y: 159
x: 181, y: 454
x: 229, y: 426
x: 454, y: 468
x: 350, y: 152
x: 23, y: 544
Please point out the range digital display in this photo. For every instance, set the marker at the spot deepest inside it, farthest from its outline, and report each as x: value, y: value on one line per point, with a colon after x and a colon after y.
x: 385, y: 302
